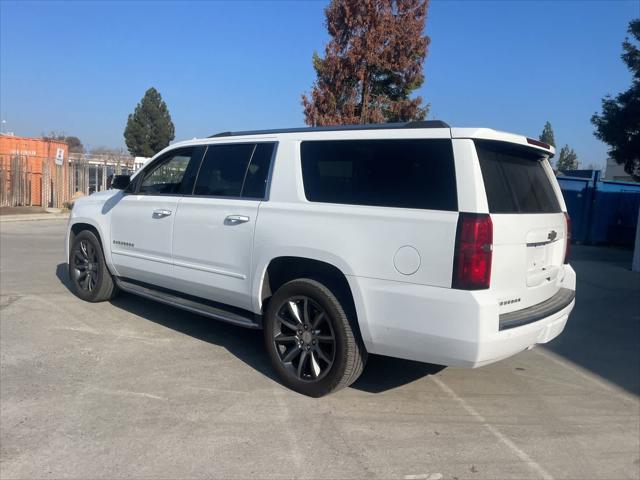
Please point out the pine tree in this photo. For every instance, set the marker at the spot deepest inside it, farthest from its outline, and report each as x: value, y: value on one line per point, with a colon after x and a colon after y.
x: 619, y: 123
x: 372, y: 64
x: 567, y: 160
x: 149, y: 128
x: 547, y: 135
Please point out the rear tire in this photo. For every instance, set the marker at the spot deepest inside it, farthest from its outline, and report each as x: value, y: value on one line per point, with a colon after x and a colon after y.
x: 90, y: 278
x: 310, y: 340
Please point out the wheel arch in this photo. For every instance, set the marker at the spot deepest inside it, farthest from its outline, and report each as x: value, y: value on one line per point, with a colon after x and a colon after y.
x: 82, y: 225
x: 282, y: 269
x: 76, y: 228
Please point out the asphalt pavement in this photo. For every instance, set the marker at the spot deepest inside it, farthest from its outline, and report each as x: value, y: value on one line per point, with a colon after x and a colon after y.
x: 135, y: 389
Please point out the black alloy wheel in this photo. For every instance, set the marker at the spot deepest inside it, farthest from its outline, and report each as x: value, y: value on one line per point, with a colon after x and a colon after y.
x: 304, y: 338
x: 85, y: 265
x: 88, y: 272
x: 313, y: 344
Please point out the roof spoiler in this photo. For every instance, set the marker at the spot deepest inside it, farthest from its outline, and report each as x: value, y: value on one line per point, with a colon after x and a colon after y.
x: 498, y: 136
x: 338, y: 128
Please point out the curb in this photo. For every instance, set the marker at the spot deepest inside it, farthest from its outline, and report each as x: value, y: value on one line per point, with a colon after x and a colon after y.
x: 33, y: 217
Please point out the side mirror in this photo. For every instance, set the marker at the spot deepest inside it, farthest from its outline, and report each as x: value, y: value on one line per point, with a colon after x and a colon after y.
x: 120, y: 182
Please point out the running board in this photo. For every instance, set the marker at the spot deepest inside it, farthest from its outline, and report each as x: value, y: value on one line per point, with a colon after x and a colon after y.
x: 204, y: 307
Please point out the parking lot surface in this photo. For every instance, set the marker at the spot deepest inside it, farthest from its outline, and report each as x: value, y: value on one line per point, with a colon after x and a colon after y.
x: 135, y: 389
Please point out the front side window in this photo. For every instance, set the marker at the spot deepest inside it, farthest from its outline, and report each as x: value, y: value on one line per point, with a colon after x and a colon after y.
x: 408, y: 173
x: 168, y: 175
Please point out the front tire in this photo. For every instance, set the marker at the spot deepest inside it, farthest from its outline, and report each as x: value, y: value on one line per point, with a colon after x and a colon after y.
x: 310, y: 340
x: 88, y: 272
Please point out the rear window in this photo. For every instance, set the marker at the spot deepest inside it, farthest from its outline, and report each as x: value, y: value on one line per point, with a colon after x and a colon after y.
x: 387, y: 173
x: 515, y: 179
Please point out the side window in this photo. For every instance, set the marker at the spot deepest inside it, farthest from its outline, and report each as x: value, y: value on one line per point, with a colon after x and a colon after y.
x: 235, y: 170
x: 255, y: 182
x: 169, y: 175
x: 223, y: 169
x: 387, y: 173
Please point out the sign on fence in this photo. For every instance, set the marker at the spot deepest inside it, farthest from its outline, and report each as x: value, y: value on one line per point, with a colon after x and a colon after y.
x: 59, y: 156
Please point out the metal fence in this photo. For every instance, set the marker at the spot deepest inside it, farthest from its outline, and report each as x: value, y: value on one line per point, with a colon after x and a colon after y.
x: 92, y: 173
x: 602, y: 212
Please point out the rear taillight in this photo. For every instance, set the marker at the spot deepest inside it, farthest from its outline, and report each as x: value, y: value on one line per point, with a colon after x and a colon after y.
x: 567, y: 248
x: 472, y: 258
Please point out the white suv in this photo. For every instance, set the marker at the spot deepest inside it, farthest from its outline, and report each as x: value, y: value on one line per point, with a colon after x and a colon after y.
x: 419, y: 241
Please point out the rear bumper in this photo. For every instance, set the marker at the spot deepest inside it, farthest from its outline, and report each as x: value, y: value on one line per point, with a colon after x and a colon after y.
x: 521, y: 338
x: 535, y: 313
x: 452, y: 327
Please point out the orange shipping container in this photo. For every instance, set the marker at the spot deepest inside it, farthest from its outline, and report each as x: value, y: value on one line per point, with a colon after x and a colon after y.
x: 43, y: 171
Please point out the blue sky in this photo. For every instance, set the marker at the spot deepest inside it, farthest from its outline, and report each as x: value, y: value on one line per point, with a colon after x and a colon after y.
x: 81, y: 67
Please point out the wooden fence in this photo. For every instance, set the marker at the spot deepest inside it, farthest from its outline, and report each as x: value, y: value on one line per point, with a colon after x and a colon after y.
x: 16, y: 182
x: 52, y: 185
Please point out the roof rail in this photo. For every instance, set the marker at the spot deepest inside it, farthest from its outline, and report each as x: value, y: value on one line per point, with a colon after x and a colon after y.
x: 338, y: 128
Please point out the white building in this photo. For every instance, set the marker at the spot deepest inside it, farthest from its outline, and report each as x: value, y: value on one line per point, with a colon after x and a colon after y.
x: 139, y: 162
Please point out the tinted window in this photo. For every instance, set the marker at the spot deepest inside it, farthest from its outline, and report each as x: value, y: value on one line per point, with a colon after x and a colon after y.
x: 167, y: 176
x: 255, y: 182
x: 515, y: 179
x: 390, y: 173
x: 223, y: 169
x: 235, y: 170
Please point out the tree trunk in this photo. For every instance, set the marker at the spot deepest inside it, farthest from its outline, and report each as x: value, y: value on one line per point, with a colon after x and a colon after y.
x: 365, y: 97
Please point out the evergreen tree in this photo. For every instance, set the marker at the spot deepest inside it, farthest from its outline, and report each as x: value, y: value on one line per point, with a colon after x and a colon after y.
x: 619, y: 123
x: 547, y: 135
x: 149, y: 128
x: 567, y: 160
x: 372, y: 63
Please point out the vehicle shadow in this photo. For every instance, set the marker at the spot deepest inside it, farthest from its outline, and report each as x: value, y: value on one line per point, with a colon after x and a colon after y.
x: 386, y: 373
x: 380, y: 374
x: 603, y: 331
x: 62, y: 272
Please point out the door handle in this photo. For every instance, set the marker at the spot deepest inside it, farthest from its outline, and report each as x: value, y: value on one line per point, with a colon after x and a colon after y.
x: 235, y: 219
x: 161, y: 213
